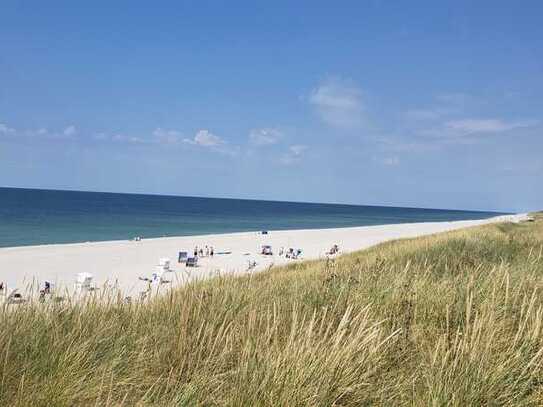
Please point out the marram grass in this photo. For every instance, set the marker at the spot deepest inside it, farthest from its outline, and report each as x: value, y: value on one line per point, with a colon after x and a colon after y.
x: 453, y: 319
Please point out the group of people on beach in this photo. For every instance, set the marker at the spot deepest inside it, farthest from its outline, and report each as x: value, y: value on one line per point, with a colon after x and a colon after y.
x: 290, y: 253
x: 201, y: 252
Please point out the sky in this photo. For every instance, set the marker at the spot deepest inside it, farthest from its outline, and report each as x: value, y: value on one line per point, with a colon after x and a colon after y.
x: 407, y: 103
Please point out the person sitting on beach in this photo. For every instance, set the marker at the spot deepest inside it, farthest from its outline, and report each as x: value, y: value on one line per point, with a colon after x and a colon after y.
x: 334, y: 249
x: 290, y: 253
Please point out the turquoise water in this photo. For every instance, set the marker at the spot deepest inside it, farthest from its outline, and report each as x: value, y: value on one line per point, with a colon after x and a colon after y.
x: 32, y: 216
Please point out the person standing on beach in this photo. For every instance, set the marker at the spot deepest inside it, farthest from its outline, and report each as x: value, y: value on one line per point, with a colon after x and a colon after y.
x: 195, y: 251
x: 211, y: 251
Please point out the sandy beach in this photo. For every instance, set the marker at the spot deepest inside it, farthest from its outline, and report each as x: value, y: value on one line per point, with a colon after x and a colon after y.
x: 121, y: 263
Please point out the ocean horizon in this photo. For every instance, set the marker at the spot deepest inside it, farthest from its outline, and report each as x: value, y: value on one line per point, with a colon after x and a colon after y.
x: 41, y: 216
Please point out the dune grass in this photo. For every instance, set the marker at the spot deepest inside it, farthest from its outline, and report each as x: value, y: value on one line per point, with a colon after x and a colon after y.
x: 453, y: 319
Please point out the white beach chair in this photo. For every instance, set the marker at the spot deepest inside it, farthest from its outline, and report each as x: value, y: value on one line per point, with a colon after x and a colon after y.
x: 157, y: 277
x: 83, y: 282
x: 14, y: 297
x: 164, y: 262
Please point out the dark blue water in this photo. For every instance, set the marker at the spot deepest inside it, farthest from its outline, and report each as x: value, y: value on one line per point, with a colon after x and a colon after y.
x: 32, y: 216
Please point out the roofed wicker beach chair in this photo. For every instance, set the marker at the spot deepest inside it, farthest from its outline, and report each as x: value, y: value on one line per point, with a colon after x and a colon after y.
x: 192, y: 261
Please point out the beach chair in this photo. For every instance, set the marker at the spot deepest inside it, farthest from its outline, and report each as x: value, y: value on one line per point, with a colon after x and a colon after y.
x: 183, y: 256
x: 192, y: 261
x: 266, y: 250
x: 164, y: 262
x: 158, y: 276
x: 14, y: 297
x: 83, y: 282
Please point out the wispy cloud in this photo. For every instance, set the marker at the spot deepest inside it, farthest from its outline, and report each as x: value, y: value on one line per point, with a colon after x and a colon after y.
x: 444, y: 105
x: 428, y: 114
x: 121, y: 138
x: 471, y: 131
x: 294, y: 154
x: 167, y: 136
x: 70, y: 131
x: 6, y: 130
x: 203, y: 138
x: 338, y: 103
x: 298, y: 149
x: 264, y: 137
x: 470, y: 126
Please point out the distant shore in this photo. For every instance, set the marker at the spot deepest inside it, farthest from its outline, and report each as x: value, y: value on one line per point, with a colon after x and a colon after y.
x: 122, y: 263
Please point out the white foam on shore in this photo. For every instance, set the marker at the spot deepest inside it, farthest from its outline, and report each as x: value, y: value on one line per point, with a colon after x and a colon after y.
x: 122, y: 262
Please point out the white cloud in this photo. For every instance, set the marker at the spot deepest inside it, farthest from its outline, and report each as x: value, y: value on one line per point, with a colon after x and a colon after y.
x: 70, y: 131
x: 471, y: 131
x: 205, y: 138
x: 487, y: 125
x: 263, y: 137
x: 121, y: 138
x: 339, y: 103
x: 5, y: 130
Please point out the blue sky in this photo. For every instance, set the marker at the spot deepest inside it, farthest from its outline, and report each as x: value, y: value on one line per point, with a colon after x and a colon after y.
x: 427, y: 104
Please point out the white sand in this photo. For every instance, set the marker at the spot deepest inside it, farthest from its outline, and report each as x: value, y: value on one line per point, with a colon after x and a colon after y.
x: 124, y: 261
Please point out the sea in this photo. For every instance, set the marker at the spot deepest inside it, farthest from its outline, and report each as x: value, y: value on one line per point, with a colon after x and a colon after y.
x: 38, y: 217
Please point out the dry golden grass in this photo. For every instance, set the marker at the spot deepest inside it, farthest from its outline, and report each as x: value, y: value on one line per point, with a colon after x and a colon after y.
x: 452, y: 319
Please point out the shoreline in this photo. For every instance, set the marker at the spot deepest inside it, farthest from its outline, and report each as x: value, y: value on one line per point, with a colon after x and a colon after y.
x: 256, y: 231
x: 120, y: 263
